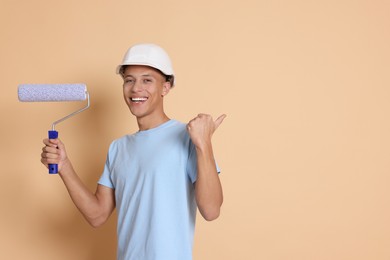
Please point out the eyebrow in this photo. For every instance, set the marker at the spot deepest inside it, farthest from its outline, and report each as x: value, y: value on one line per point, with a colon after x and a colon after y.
x: 143, y: 75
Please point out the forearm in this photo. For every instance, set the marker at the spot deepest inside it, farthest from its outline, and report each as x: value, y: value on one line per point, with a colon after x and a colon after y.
x: 87, y: 202
x: 208, y: 189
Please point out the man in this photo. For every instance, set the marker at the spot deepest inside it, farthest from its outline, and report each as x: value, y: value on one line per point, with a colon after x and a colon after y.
x: 156, y: 177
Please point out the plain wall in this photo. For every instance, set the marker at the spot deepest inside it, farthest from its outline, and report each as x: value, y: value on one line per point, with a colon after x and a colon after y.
x: 304, y: 150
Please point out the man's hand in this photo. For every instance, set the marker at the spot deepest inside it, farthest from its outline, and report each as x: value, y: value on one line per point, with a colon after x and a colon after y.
x: 202, y: 128
x: 53, y: 153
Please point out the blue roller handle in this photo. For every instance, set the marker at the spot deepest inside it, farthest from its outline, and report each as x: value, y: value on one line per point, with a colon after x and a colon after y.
x: 53, y: 168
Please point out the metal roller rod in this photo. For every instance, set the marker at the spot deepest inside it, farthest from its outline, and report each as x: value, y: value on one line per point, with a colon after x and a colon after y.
x: 72, y: 114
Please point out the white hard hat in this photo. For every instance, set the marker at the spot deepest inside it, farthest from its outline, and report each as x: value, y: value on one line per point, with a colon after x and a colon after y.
x: 148, y: 54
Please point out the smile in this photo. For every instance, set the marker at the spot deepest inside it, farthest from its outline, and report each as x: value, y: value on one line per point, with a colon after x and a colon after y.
x: 138, y: 99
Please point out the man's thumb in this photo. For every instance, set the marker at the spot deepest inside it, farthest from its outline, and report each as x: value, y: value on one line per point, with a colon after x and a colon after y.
x: 219, y: 120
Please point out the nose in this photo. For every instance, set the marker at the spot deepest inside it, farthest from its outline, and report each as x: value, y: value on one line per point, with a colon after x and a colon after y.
x: 137, y: 86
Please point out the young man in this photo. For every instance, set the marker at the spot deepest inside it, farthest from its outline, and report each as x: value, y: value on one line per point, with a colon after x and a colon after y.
x: 156, y: 177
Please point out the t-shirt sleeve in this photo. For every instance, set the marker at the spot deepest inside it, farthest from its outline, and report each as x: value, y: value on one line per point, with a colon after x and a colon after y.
x: 192, y: 168
x: 105, y: 179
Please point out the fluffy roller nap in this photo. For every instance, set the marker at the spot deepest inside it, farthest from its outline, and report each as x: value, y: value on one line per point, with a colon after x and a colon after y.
x: 52, y: 92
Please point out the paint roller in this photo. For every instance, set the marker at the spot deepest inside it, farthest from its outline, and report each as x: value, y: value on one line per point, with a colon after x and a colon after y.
x: 54, y: 93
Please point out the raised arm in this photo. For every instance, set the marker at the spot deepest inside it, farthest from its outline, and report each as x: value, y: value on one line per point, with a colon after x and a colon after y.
x: 95, y: 207
x: 208, y: 189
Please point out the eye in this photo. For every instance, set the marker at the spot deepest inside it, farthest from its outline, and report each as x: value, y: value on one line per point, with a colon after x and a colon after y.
x: 147, y: 81
x: 128, y: 81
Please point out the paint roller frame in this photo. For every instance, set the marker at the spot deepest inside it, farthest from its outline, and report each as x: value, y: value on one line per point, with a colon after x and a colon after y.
x: 52, y: 134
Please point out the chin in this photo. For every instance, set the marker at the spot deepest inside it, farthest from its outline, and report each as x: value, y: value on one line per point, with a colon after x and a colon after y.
x: 138, y: 114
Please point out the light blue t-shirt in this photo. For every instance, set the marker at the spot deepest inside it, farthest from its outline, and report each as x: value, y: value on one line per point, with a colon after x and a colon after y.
x: 153, y: 172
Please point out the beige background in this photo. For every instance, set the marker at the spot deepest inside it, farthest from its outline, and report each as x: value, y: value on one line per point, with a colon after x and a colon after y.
x: 304, y: 150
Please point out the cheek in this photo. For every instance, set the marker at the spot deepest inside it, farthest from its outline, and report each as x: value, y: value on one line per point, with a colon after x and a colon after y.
x: 153, y: 90
x: 126, y: 90
x: 125, y: 94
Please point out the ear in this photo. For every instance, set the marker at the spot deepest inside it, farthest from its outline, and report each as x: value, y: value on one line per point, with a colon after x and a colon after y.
x: 166, y: 88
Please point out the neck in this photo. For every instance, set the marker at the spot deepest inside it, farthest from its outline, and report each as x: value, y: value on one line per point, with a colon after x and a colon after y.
x: 149, y: 123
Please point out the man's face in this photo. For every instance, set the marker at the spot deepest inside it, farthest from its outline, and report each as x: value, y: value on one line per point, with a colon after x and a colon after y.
x: 143, y: 90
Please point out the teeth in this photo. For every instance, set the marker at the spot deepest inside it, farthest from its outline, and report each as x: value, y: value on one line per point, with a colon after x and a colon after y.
x: 140, y: 99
